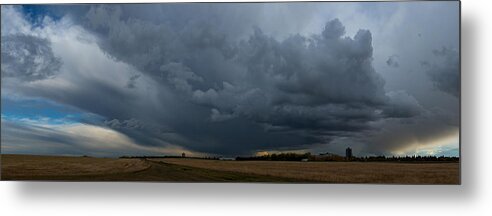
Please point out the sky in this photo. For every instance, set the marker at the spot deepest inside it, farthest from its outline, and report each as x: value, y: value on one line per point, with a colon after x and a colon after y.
x: 231, y: 79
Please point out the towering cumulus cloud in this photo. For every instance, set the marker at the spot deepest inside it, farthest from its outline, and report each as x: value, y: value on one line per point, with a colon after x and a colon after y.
x: 208, y: 81
x: 279, y: 93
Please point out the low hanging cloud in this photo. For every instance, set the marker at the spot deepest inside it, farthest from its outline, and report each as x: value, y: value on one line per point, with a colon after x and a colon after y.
x: 32, y: 135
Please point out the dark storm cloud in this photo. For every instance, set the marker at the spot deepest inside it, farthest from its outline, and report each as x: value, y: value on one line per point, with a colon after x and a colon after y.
x: 307, y: 86
x: 28, y: 58
x: 444, y: 72
x: 402, y: 105
x: 228, y: 87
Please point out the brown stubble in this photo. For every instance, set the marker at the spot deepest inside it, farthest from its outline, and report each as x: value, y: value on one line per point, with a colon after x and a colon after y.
x: 338, y: 172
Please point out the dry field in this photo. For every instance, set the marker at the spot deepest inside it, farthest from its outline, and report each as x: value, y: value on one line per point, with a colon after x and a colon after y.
x: 31, y: 166
x: 28, y: 167
x: 337, y: 172
x: 59, y: 168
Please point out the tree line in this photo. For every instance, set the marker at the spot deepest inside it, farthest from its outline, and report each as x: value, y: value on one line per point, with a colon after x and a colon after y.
x: 333, y: 157
x: 322, y: 157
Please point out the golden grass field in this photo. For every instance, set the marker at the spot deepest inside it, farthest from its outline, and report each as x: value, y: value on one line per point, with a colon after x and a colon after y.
x: 30, y: 165
x: 337, y: 172
x: 26, y: 167
x: 59, y: 168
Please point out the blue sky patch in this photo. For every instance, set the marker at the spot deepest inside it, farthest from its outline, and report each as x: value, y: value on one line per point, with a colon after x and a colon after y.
x: 37, y: 108
x: 35, y: 14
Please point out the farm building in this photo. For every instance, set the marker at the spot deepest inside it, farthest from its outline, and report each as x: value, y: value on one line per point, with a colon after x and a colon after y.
x: 348, y: 153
